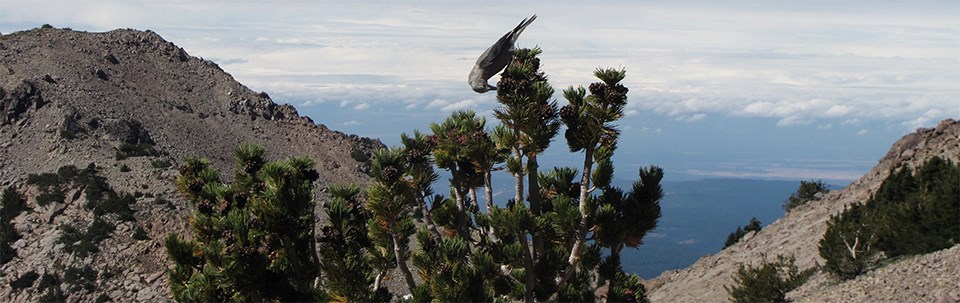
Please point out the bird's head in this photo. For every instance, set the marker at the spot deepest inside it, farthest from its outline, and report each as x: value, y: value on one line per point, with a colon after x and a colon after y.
x: 482, y: 87
x: 478, y: 84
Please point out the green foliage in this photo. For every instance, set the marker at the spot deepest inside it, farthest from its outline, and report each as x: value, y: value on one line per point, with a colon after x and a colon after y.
x: 124, y: 168
x: 139, y: 234
x: 533, y: 247
x: 767, y: 282
x: 389, y: 199
x: 918, y: 212
x: 738, y: 234
x: 49, y: 286
x: 85, y: 243
x: 114, y: 203
x: 913, y: 212
x: 25, y: 280
x: 849, y: 245
x: 102, y: 298
x: 252, y: 239
x: 344, y: 246
x: 160, y: 163
x: 359, y: 155
x: 100, y: 196
x: 54, y: 195
x: 807, y: 191
x: 128, y: 150
x: 80, y: 278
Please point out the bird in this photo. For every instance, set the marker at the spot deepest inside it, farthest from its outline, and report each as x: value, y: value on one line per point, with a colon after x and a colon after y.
x: 495, y: 58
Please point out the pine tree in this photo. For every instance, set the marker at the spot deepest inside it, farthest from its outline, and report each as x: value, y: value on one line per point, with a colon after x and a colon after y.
x: 348, y: 269
x: 390, y: 199
x: 253, y: 240
x: 541, y: 247
x: 807, y: 191
x: 590, y: 129
x: 849, y: 245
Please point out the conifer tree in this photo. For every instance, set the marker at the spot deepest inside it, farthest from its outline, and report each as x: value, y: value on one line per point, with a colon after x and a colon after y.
x: 589, y: 121
x: 551, y: 208
x: 390, y: 199
x: 253, y: 239
x: 344, y: 245
x: 849, y: 245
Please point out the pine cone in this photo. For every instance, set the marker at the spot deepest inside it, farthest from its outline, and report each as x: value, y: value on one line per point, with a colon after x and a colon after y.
x: 568, y: 112
x: 597, y: 88
x: 546, y: 112
x: 390, y: 173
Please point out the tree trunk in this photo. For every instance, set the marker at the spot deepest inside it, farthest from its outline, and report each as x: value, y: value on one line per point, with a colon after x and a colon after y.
x: 422, y: 204
x: 474, y: 203
x: 533, y: 178
x: 612, y: 282
x: 403, y: 264
x: 575, y: 251
x: 531, y: 278
x: 488, y: 189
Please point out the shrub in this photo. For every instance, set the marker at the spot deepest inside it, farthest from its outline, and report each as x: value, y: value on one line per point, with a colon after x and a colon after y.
x: 47, y: 197
x: 738, y: 234
x: 124, y: 168
x: 918, y: 212
x: 135, y: 150
x: 50, y: 287
x: 12, y: 205
x: 913, y: 212
x: 102, y: 298
x: 359, y: 155
x: 253, y: 239
x: 767, y: 282
x: 114, y: 203
x: 849, y: 245
x: 80, y: 278
x: 140, y: 234
x: 162, y: 163
x: 84, y: 243
x: 43, y: 180
x: 807, y: 192
x: 25, y: 280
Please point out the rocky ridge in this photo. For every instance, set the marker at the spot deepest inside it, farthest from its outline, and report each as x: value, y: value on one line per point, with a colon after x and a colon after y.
x: 134, y: 105
x: 799, y: 232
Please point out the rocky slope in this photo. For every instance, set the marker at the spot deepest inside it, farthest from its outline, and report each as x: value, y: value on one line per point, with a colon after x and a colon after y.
x: 133, y: 105
x: 925, y: 278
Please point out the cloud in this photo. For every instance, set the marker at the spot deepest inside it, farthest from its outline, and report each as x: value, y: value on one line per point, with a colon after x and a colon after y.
x: 692, y: 118
x: 362, y: 106
x: 351, y: 123
x: 858, y: 61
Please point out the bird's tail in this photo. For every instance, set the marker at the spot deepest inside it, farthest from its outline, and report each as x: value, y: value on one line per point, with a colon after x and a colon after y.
x: 523, y: 25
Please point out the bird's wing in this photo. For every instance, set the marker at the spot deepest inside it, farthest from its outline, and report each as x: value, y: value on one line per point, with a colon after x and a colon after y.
x: 504, y: 44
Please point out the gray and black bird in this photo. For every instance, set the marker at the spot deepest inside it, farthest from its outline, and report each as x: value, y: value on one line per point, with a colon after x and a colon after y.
x: 495, y: 58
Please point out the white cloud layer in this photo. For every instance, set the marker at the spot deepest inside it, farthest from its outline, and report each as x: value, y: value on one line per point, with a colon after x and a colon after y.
x: 799, y: 63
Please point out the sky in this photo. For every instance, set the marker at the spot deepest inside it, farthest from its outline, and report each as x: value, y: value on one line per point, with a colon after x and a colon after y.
x: 734, y: 89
